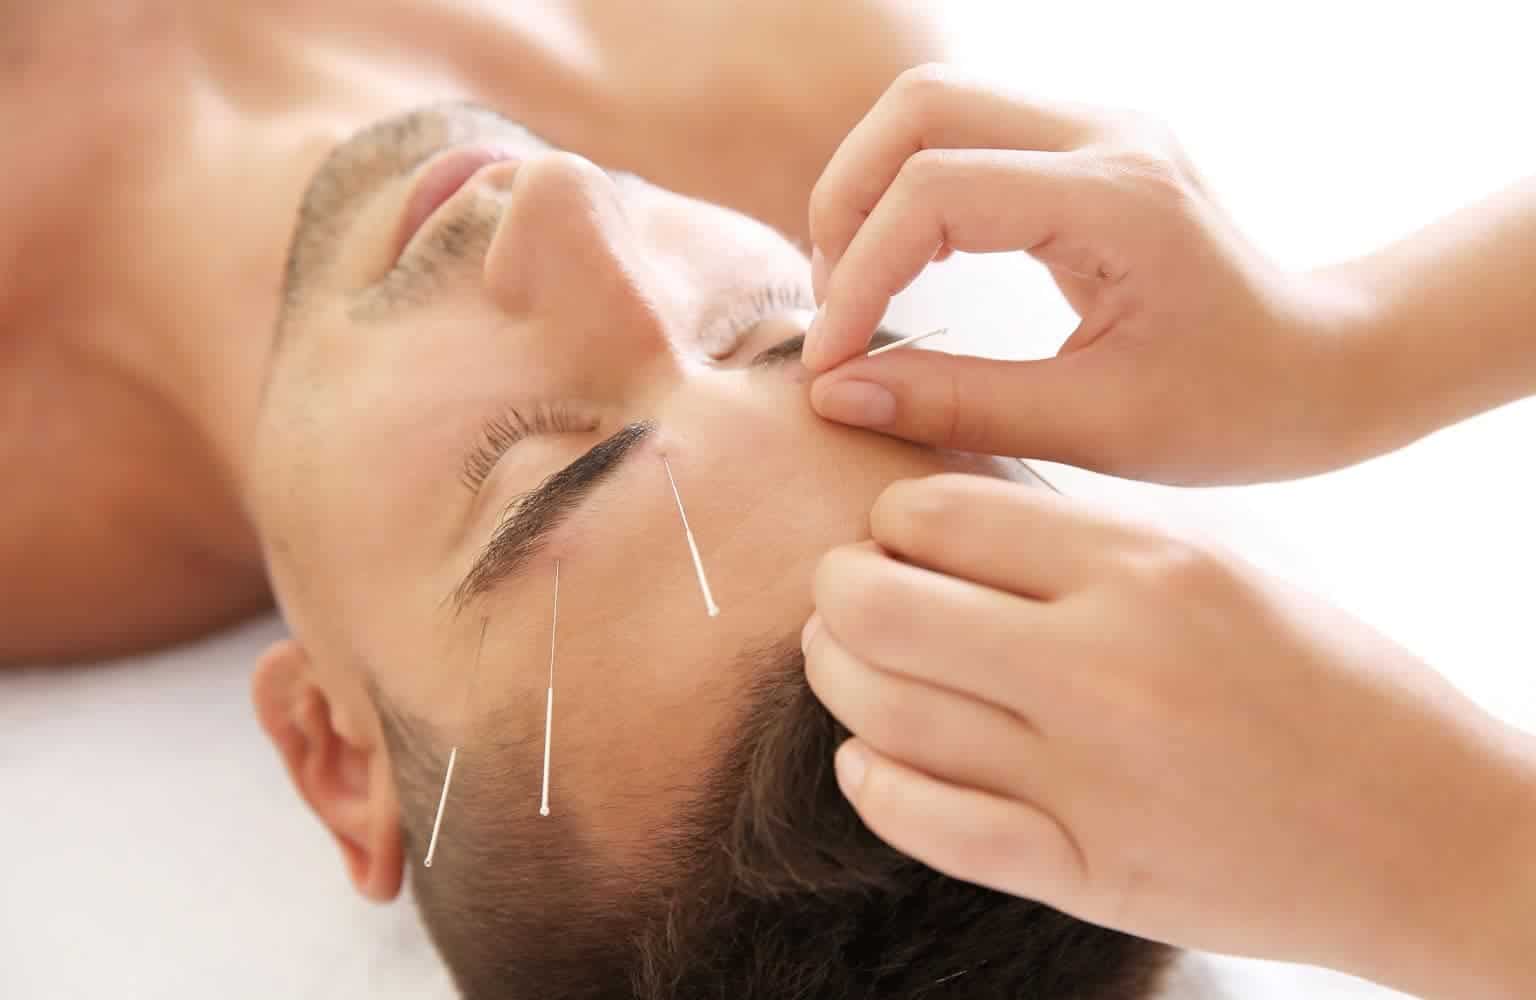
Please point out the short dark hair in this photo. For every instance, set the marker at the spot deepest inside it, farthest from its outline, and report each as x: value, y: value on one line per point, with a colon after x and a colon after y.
x: 769, y: 887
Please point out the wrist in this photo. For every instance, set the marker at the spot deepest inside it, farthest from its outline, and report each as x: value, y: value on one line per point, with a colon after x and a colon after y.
x: 1362, y: 403
x: 1404, y: 367
x: 1445, y: 317
x: 1510, y: 926
x: 1482, y: 947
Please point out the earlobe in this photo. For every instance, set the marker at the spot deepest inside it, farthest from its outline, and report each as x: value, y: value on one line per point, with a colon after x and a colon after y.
x: 342, y: 772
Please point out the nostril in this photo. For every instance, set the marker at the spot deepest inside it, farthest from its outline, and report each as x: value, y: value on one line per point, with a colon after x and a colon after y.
x: 439, y: 181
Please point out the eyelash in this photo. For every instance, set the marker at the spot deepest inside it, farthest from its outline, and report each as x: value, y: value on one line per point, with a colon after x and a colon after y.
x: 768, y: 301
x: 508, y: 428
x: 780, y: 298
x: 514, y: 425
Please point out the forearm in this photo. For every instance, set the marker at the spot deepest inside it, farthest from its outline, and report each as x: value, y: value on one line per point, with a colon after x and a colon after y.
x: 1448, y: 319
x: 1502, y: 949
x: 1477, y: 885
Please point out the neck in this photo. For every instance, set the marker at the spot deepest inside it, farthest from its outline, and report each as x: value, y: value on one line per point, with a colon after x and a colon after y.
x: 162, y: 152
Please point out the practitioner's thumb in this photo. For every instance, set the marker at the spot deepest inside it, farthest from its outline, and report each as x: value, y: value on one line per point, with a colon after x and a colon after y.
x: 1057, y: 409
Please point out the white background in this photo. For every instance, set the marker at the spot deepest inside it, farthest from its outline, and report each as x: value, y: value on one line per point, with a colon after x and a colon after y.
x: 150, y: 847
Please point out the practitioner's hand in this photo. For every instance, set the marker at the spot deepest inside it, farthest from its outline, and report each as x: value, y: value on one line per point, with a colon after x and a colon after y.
x: 1057, y: 703
x: 1196, y: 359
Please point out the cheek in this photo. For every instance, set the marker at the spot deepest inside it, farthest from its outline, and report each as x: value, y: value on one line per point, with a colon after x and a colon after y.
x: 645, y: 690
x: 646, y: 684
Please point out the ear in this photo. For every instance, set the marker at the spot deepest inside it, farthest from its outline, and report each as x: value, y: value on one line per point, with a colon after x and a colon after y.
x: 337, y: 765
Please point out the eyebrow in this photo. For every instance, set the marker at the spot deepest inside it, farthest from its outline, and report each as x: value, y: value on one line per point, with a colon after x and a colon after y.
x: 531, y: 517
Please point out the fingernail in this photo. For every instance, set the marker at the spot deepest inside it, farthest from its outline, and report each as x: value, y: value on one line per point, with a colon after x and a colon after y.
x: 818, y: 272
x: 809, y: 632
x: 862, y: 404
x: 852, y: 763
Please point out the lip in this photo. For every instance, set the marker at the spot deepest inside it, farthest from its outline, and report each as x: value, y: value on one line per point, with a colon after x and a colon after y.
x: 442, y: 178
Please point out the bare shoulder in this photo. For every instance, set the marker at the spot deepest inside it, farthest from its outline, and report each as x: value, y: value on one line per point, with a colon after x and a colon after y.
x: 111, y: 539
x: 18, y: 45
x: 756, y: 42
x: 108, y: 546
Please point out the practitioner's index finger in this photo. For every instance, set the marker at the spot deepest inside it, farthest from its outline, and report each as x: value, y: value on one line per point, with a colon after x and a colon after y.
x: 1009, y: 537
x: 973, y: 200
x: 930, y: 107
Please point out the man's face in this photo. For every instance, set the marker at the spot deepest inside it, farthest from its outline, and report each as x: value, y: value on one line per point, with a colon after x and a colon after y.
x: 471, y: 390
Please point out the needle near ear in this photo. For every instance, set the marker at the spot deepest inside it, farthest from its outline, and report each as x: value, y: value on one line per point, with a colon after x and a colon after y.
x: 453, y: 754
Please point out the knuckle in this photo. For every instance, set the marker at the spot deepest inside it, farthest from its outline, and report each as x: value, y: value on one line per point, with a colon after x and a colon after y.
x: 923, y: 90
x: 919, y: 514
x: 1149, y: 171
x: 947, y: 419
x: 828, y: 209
x: 1131, y: 173
x: 852, y: 587
x: 819, y: 211
x: 1168, y: 564
x: 883, y: 603
x: 966, y: 423
x: 922, y: 171
x: 828, y: 581
x: 892, y: 724
x: 832, y: 575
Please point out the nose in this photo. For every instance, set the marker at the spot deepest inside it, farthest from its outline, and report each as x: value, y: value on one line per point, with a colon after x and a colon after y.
x: 566, y: 256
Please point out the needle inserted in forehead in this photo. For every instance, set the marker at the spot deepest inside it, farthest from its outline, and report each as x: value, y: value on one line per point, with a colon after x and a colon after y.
x: 453, y: 754
x: 903, y: 342
x: 693, y: 547
x: 549, y: 702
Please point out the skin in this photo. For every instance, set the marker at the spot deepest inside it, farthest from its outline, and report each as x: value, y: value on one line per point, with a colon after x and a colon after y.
x: 148, y: 211
x: 601, y: 295
x: 1025, y: 695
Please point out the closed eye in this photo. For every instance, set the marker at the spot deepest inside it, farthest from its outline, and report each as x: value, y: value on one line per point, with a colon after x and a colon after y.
x: 786, y: 350
x: 512, y: 425
x: 789, y: 350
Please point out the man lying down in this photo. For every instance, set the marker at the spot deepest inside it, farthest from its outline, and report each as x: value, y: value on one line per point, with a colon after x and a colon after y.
x: 485, y: 349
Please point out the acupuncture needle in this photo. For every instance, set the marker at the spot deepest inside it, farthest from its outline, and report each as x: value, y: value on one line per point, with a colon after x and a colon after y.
x: 549, y: 701
x: 453, y: 754
x: 903, y: 342
x: 710, y: 606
